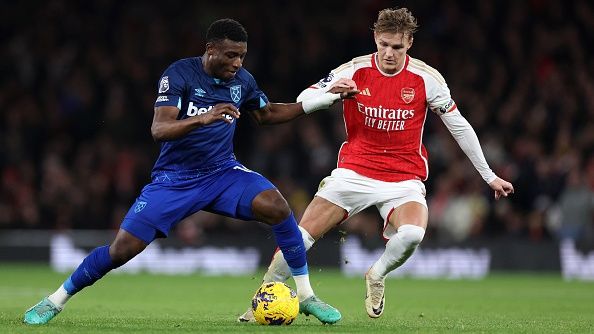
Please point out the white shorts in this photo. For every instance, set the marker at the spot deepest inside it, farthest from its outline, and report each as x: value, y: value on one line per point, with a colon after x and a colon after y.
x: 355, y: 193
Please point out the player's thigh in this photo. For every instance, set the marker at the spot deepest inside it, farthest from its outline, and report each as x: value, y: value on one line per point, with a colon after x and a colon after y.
x: 247, y: 195
x: 321, y: 216
x: 409, y: 213
x: 348, y: 190
x: 160, y: 206
x: 406, y: 206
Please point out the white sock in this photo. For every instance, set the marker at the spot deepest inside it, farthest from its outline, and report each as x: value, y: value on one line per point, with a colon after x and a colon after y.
x: 304, y: 289
x: 278, y: 270
x: 60, y: 297
x: 398, y: 249
x: 308, y: 240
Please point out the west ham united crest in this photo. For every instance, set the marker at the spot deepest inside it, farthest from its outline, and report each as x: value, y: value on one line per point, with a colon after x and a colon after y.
x: 235, y: 93
x: 407, y: 94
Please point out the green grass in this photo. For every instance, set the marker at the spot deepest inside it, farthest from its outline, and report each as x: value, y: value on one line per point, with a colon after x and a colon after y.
x: 526, y: 303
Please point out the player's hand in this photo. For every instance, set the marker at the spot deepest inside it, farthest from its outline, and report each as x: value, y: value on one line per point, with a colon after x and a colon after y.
x: 501, y: 187
x: 346, y: 87
x: 221, y: 112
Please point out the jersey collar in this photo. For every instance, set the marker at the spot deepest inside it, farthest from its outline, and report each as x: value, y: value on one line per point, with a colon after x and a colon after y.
x: 375, y: 64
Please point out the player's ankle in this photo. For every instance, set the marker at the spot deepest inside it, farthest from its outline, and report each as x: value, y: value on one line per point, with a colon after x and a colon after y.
x: 374, y: 275
x: 276, y: 276
x: 59, y: 297
x: 305, y: 295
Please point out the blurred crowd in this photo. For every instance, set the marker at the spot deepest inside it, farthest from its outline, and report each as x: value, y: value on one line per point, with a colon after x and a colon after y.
x: 79, y: 80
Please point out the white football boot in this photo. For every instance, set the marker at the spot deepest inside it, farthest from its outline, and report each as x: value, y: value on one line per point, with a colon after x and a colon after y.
x: 248, y: 316
x: 375, y: 297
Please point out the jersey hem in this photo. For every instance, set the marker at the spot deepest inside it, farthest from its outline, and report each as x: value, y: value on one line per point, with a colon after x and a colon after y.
x: 386, y: 177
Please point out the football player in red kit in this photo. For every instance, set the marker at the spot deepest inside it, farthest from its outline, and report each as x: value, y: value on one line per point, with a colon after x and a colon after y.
x: 383, y: 162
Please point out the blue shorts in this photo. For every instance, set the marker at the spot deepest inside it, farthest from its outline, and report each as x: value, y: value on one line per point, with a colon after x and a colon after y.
x: 228, y: 190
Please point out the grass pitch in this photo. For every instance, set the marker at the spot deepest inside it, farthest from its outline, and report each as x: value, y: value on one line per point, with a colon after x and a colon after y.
x: 526, y: 303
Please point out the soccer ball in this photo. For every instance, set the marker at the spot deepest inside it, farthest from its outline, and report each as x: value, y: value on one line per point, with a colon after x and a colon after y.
x: 275, y: 303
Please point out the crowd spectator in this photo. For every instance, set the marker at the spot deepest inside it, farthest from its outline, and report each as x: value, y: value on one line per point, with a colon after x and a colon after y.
x: 79, y: 81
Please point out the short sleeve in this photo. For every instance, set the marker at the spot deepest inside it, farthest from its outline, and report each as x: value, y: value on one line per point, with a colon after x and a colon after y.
x: 343, y: 71
x: 255, y: 99
x: 170, y: 89
x: 439, y: 99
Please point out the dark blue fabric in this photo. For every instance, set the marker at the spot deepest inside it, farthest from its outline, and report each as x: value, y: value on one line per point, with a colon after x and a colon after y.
x: 94, y: 266
x: 228, y: 190
x: 289, y: 240
x: 188, y: 87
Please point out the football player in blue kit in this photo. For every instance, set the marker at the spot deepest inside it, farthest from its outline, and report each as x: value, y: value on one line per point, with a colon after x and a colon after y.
x: 199, y: 101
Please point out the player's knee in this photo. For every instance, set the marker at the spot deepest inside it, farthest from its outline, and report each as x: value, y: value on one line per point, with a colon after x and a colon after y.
x: 411, y: 235
x: 271, y: 208
x: 123, y: 250
x: 121, y: 254
x: 278, y: 211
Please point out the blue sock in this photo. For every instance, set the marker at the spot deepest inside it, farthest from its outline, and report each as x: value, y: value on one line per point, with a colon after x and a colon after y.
x: 289, y: 240
x: 93, y: 267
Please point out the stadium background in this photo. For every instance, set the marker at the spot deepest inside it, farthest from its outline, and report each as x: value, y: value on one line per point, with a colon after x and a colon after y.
x: 79, y: 81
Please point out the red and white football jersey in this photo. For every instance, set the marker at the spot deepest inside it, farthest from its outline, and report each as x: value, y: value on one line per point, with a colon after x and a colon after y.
x: 385, y: 121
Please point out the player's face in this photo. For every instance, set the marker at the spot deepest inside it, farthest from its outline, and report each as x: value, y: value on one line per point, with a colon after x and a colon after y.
x: 391, y: 50
x: 225, y: 58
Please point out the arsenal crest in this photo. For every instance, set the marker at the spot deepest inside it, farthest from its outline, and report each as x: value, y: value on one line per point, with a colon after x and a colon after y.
x: 407, y: 94
x: 235, y: 93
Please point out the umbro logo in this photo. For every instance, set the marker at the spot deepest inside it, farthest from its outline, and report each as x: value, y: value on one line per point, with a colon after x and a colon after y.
x: 139, y: 206
x: 199, y: 92
x: 365, y: 92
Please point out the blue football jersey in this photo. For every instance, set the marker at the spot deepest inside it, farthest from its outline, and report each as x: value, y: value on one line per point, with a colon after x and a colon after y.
x: 186, y: 85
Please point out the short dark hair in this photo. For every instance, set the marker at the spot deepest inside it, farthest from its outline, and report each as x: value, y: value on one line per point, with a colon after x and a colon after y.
x: 226, y: 29
x: 396, y: 20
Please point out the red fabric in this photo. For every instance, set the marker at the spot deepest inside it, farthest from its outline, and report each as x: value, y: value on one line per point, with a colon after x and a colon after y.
x: 384, y: 132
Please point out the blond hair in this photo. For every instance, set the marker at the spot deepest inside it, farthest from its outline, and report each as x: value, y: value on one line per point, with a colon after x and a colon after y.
x: 396, y: 20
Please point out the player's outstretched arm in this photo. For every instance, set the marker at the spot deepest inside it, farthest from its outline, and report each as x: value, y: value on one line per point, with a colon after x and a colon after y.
x: 166, y: 126
x: 468, y: 141
x: 346, y: 87
x: 308, y: 101
x: 276, y: 113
